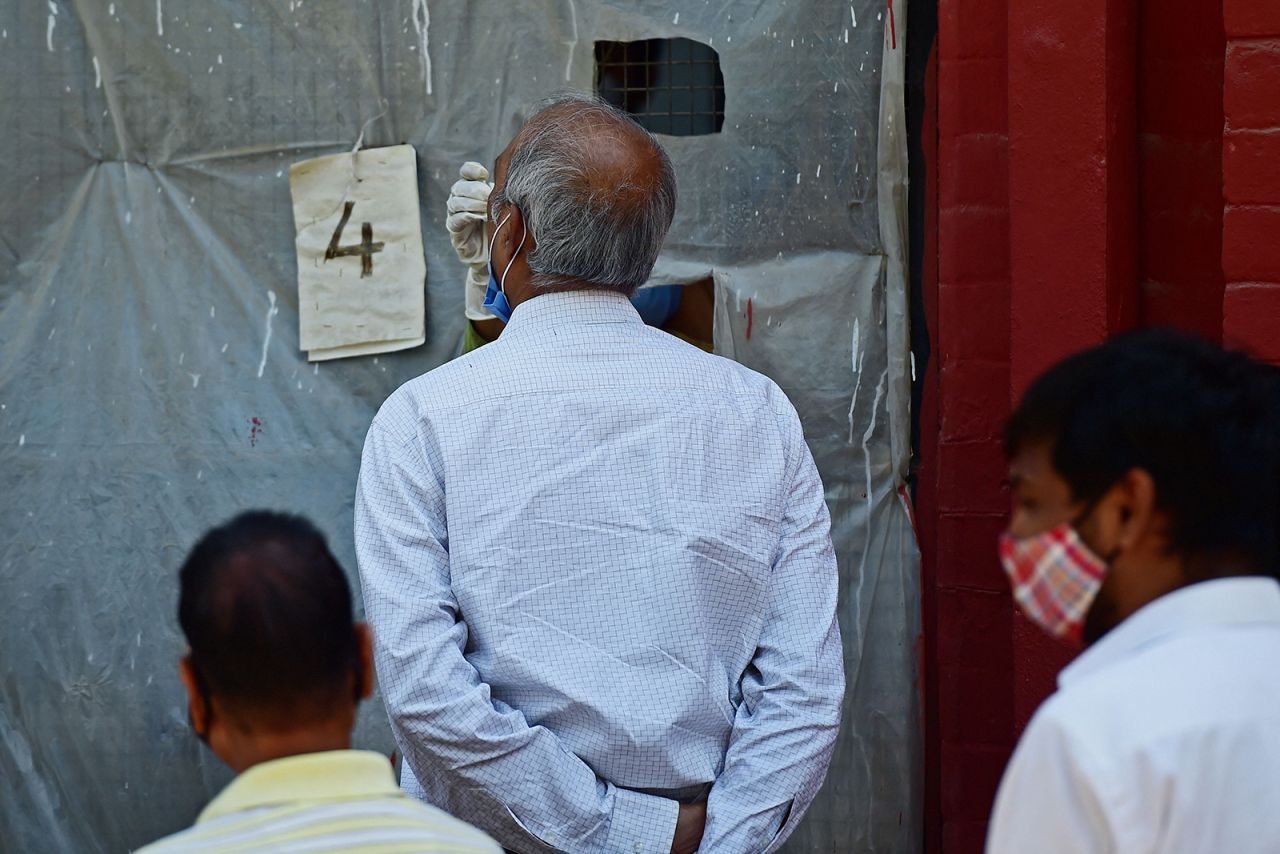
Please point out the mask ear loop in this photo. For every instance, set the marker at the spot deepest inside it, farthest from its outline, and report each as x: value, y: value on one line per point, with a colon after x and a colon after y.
x: 502, y: 282
x: 1080, y: 519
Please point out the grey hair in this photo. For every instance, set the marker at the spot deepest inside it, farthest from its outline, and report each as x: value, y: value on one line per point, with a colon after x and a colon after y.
x: 607, y: 236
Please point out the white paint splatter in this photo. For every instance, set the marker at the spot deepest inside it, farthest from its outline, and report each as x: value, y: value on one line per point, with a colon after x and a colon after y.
x: 97, y: 74
x: 422, y: 24
x: 573, y: 40
x: 836, y: 88
x: 159, y: 17
x: 853, y: 15
x: 676, y: 19
x: 195, y: 379
x: 846, y: 35
x: 51, y: 331
x: 212, y: 312
x: 913, y: 365
x: 53, y: 22
x: 182, y: 357
x: 866, y: 461
x: 237, y: 25
x: 858, y: 359
x: 200, y: 474
x: 111, y: 9
x: 818, y: 174
x: 857, y: 345
x: 224, y: 348
x: 219, y: 59
x: 22, y: 440
x: 272, y: 311
x: 128, y: 217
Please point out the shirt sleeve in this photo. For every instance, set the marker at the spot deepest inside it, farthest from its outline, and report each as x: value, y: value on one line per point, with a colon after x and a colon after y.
x: 517, y: 782
x: 1052, y: 797
x: 785, y: 728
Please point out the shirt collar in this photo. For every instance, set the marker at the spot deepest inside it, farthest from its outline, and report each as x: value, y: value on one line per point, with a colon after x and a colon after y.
x: 1221, y: 602
x: 563, y: 308
x: 329, y: 775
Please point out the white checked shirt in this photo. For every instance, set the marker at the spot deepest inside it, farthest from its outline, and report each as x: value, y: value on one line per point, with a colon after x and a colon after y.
x: 598, y: 566
x: 1163, y: 737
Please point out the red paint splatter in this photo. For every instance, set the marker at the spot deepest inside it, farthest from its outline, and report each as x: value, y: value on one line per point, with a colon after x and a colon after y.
x: 393, y: 760
x: 255, y: 427
x: 893, y: 28
x: 749, y: 319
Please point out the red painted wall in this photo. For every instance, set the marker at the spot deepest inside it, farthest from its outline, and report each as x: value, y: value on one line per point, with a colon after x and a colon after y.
x: 1097, y: 165
x: 1251, y: 177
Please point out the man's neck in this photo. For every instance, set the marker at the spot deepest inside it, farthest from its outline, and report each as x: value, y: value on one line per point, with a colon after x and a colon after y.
x: 252, y: 748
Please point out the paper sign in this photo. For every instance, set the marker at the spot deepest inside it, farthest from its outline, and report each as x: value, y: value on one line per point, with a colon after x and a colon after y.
x: 361, y: 270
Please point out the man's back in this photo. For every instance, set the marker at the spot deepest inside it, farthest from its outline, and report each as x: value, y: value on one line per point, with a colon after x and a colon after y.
x: 611, y: 506
x: 613, y: 498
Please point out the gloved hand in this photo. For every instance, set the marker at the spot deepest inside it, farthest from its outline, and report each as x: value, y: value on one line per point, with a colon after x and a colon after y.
x: 468, y: 200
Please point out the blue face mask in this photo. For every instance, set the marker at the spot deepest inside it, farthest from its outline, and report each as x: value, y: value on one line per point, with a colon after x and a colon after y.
x: 495, y: 296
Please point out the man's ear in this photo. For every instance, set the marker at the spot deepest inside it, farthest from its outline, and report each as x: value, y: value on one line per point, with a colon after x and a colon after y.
x: 364, y: 649
x: 1134, y: 507
x: 197, y: 703
x: 513, y: 233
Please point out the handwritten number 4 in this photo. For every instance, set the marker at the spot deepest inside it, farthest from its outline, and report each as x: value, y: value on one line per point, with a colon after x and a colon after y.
x: 365, y: 248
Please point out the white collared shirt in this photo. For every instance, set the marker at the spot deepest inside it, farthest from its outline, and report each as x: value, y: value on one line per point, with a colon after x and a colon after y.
x: 598, y: 566
x: 1164, y: 736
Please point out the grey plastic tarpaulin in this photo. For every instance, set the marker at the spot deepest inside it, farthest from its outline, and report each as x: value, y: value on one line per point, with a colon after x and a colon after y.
x: 151, y: 382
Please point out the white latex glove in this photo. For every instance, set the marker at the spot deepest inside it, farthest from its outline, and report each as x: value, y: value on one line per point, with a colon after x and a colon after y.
x: 468, y: 200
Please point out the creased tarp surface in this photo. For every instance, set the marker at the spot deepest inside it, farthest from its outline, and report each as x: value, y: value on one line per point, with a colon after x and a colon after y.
x: 151, y: 382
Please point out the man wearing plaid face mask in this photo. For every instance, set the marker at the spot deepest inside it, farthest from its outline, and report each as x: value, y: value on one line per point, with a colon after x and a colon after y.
x: 1146, y: 502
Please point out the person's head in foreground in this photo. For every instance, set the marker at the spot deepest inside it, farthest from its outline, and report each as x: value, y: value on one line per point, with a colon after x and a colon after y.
x: 275, y: 669
x: 582, y: 200
x: 276, y: 664
x: 1145, y: 479
x: 1139, y: 467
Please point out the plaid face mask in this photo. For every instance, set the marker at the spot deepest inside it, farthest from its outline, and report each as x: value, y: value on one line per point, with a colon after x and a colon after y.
x: 1055, y: 578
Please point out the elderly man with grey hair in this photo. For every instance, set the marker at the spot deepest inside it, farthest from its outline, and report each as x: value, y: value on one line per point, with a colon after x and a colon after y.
x: 596, y: 559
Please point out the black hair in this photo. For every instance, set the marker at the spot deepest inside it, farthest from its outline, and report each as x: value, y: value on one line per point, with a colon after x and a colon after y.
x: 1202, y: 421
x: 266, y: 609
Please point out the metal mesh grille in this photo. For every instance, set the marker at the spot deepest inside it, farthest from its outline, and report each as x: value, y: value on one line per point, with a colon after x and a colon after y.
x: 671, y: 86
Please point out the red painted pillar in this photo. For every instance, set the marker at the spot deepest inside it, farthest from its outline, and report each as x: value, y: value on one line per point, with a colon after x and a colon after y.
x: 970, y: 612
x: 1072, y: 212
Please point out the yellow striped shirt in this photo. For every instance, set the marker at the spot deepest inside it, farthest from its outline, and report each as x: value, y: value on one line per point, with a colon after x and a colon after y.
x: 342, y: 800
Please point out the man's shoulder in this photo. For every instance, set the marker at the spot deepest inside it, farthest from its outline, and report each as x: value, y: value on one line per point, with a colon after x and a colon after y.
x: 493, y: 371
x: 1181, y: 690
x: 452, y: 384
x: 730, y: 375
x: 412, y: 821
